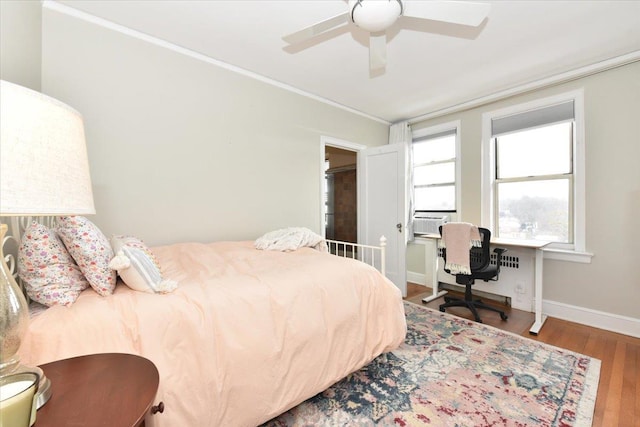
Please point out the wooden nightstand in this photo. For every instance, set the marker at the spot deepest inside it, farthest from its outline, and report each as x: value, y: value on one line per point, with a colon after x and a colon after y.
x: 111, y: 389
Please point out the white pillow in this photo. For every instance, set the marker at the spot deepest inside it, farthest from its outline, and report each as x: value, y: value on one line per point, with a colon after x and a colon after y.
x: 138, y: 267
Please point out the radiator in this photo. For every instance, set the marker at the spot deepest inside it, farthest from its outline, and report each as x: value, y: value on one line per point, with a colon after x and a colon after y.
x: 516, y: 278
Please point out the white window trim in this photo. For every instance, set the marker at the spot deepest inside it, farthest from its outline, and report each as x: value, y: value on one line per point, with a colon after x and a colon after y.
x: 432, y: 130
x: 578, y: 253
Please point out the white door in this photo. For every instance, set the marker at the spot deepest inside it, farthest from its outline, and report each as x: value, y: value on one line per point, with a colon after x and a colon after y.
x: 382, y: 207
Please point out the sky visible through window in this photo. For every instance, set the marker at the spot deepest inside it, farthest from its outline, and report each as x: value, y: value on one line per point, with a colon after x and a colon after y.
x: 434, y: 174
x: 534, y: 202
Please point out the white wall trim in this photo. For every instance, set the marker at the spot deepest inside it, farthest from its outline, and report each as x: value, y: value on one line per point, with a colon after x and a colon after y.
x: 585, y: 316
x: 70, y: 11
x: 417, y: 278
x: 597, y: 319
x: 487, y: 215
x: 341, y: 143
x: 564, y: 255
x: 565, y: 77
x: 537, y: 84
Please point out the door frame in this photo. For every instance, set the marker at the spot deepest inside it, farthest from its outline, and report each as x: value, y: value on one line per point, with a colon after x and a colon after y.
x: 343, y: 145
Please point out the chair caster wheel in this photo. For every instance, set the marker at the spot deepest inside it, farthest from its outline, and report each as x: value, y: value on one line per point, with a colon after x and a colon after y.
x: 504, y: 316
x: 442, y: 309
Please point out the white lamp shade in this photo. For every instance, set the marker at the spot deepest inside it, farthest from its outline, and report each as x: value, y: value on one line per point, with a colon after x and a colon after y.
x: 44, y: 168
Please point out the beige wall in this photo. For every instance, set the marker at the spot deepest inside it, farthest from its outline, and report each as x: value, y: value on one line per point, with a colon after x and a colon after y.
x: 611, y: 282
x: 20, y: 42
x: 184, y: 150
x: 181, y: 149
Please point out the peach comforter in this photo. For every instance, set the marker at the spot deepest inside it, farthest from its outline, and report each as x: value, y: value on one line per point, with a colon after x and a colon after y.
x: 247, y: 335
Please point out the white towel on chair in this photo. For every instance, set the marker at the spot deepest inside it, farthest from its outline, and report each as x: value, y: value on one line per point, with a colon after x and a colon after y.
x: 458, y: 238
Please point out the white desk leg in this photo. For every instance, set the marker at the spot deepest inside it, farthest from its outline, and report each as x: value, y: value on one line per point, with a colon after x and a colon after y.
x: 434, y: 276
x: 539, y: 321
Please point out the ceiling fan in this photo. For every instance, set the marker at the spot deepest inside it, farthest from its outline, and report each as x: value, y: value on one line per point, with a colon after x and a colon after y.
x: 376, y: 16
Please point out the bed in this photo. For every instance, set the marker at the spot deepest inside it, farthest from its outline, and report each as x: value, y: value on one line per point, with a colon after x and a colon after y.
x: 247, y: 334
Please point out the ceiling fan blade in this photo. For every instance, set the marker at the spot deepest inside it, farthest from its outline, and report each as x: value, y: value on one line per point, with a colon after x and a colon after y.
x: 316, y: 29
x: 377, y: 51
x: 455, y: 12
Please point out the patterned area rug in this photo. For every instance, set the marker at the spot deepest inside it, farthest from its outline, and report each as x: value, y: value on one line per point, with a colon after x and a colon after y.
x: 454, y: 372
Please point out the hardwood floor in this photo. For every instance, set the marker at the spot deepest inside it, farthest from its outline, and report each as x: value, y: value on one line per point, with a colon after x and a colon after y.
x: 618, y: 398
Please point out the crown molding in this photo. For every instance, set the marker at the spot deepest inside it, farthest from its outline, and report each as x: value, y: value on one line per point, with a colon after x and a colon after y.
x: 75, y: 13
x: 565, y: 77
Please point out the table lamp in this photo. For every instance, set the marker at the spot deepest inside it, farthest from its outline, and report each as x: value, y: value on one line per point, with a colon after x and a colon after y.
x: 44, y: 171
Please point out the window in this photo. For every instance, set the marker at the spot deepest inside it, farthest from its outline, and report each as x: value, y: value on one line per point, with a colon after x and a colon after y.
x: 534, y: 182
x: 435, y: 169
x: 534, y: 156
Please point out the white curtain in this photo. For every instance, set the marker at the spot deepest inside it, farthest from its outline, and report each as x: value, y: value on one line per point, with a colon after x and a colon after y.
x: 401, y: 133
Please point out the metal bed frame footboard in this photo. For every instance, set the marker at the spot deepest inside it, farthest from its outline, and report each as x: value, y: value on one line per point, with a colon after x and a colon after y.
x: 373, y: 255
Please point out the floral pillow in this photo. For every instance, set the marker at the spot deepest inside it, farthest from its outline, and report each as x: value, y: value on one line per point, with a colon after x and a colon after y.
x: 90, y: 248
x: 138, y: 266
x: 49, y: 273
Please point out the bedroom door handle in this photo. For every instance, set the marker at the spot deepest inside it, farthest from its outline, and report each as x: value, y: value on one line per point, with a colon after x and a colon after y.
x: 399, y: 227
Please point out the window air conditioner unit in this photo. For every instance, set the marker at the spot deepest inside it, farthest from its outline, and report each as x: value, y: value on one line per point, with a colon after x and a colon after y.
x: 429, y: 224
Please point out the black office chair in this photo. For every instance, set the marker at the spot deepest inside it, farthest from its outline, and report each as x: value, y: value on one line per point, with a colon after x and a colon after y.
x: 481, y: 268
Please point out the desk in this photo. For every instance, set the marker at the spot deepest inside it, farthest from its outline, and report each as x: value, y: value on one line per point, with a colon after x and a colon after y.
x: 535, y: 245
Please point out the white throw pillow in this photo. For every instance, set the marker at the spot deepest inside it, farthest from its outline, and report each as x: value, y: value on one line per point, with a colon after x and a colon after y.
x: 138, y: 267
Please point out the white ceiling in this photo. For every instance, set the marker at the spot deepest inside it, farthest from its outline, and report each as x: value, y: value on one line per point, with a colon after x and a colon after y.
x: 430, y: 67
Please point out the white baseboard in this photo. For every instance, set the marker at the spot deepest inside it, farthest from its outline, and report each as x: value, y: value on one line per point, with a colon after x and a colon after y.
x: 417, y: 278
x: 586, y: 316
x: 597, y: 319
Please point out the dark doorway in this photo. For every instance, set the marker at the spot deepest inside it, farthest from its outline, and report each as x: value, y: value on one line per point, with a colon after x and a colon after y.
x: 341, y: 219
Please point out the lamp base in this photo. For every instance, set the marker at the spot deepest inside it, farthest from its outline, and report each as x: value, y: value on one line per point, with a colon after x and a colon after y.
x: 44, y: 392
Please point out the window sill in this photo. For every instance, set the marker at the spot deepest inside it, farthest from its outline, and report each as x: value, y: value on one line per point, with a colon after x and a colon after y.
x: 567, y: 255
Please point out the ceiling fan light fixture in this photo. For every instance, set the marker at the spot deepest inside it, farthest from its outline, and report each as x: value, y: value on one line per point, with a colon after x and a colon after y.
x: 375, y: 15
